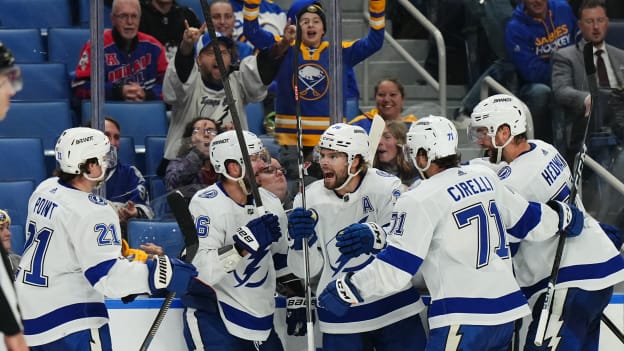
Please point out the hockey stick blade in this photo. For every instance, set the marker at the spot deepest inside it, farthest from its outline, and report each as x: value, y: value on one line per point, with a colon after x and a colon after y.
x: 191, y: 242
x: 374, y: 135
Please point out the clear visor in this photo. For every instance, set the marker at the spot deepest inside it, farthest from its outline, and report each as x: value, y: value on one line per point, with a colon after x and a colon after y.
x: 409, y: 154
x: 112, y: 158
x: 476, y: 134
x: 263, y: 155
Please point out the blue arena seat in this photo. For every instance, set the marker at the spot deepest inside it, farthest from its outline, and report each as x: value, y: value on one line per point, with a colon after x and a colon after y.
x: 255, y: 117
x: 137, y: 119
x: 14, y: 199
x: 125, y: 152
x: 154, y: 152
x: 18, y: 238
x: 64, y: 46
x: 166, y: 234
x: 25, y: 44
x: 45, y: 120
x: 35, y: 13
x: 615, y: 34
x: 44, y: 81
x: 84, y: 15
x: 22, y: 159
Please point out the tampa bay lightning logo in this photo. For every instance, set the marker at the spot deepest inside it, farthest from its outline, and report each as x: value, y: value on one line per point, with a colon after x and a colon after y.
x: 504, y: 172
x: 252, y: 268
x: 97, y: 200
x: 208, y: 194
x: 343, y: 263
x: 313, y: 81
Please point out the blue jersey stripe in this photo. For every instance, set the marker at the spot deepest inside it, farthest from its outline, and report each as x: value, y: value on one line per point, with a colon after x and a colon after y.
x: 95, y: 273
x: 371, y: 310
x: 246, y: 320
x: 400, y: 259
x: 64, y: 315
x: 477, y: 305
x: 529, y: 220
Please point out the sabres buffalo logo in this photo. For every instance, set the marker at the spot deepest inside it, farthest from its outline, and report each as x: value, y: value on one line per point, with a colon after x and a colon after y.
x: 313, y: 82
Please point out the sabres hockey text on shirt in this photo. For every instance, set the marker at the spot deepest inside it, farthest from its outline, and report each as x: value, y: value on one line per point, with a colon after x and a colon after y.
x: 554, y: 169
x: 45, y: 207
x: 470, y: 187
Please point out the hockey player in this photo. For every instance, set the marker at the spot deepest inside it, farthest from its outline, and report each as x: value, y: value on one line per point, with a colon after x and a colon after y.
x: 72, y: 253
x: 352, y: 192
x: 590, y: 265
x: 10, y: 323
x: 241, y: 253
x: 452, y: 227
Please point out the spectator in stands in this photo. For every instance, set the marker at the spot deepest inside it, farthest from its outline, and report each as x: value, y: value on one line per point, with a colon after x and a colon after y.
x: 194, y: 88
x: 536, y: 29
x: 312, y: 77
x: 223, y: 20
x: 272, y: 18
x: 10, y: 323
x: 5, y: 238
x: 273, y: 178
x: 164, y: 20
x: 192, y: 170
x: 135, y: 62
x: 390, y: 157
x: 569, y: 79
x: 389, y: 100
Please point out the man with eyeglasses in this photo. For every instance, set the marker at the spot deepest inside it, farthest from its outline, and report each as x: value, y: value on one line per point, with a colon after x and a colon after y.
x: 570, y: 82
x: 135, y: 62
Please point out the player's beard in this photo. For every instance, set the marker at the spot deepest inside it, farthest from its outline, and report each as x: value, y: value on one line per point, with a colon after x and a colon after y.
x: 338, y: 179
x: 493, y: 154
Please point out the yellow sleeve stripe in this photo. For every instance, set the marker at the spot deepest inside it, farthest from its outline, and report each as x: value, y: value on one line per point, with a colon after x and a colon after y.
x: 377, y: 6
x: 250, y: 14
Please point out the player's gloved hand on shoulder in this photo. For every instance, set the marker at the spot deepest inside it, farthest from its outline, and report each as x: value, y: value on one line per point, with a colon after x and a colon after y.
x: 301, y: 225
x: 571, y: 219
x: 361, y: 238
x: 614, y: 234
x: 339, y: 295
x: 296, y: 318
x: 259, y: 233
x: 169, y: 273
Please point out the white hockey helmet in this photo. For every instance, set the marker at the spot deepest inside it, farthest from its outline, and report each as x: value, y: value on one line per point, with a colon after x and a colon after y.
x: 436, y: 135
x: 77, y: 145
x: 352, y: 140
x: 498, y: 110
x: 225, y: 147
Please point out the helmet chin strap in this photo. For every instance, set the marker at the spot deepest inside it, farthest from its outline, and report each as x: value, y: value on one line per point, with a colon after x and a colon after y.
x: 499, y: 149
x: 99, y: 180
x: 424, y: 169
x: 349, y: 177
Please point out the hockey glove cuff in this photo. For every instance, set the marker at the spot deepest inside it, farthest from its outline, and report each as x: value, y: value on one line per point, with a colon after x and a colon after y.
x: 361, y: 238
x: 169, y: 273
x: 258, y: 233
x: 571, y: 219
x: 339, y: 295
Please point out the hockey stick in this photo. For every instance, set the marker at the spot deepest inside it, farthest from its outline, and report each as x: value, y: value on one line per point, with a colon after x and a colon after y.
x: 300, y: 161
x: 229, y: 99
x: 191, y: 242
x: 374, y: 135
x: 590, y: 71
x: 618, y: 333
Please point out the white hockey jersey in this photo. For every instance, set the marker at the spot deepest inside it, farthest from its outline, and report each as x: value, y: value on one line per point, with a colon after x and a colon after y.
x: 452, y: 228
x: 246, y: 295
x: 194, y: 99
x: 589, y: 261
x: 71, y: 261
x: 371, y: 202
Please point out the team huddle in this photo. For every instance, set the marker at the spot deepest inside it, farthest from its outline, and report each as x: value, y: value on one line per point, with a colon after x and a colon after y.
x: 481, y: 236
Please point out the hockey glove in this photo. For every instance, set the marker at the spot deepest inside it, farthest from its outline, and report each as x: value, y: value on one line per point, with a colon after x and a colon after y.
x: 339, y: 295
x: 169, y: 273
x: 296, y: 316
x: 301, y: 225
x: 570, y: 217
x: 614, y: 234
x: 258, y: 233
x: 361, y: 238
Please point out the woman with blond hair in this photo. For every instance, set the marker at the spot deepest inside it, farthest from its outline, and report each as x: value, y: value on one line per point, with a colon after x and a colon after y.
x: 390, y: 157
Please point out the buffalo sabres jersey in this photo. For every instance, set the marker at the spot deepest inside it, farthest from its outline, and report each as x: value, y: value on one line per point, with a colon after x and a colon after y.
x: 193, y: 99
x: 452, y: 227
x: 71, y: 261
x: 246, y: 295
x: 589, y: 261
x: 371, y: 202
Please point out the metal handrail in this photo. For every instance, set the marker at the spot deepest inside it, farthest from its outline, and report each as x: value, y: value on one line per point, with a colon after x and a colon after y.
x: 604, y: 174
x: 439, y: 85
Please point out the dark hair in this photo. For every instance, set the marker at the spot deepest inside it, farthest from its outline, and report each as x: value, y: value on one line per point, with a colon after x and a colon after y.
x: 590, y: 4
x: 448, y: 161
x: 68, y: 177
x: 393, y: 80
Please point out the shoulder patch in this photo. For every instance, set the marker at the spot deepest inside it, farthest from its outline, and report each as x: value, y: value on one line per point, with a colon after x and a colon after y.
x: 504, y: 172
x: 97, y: 200
x: 384, y: 173
x: 209, y: 194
